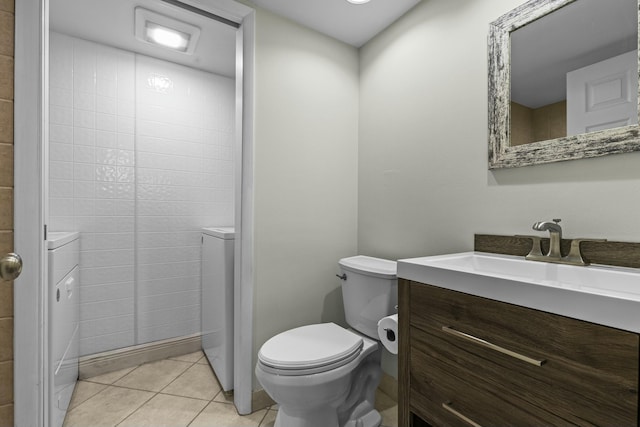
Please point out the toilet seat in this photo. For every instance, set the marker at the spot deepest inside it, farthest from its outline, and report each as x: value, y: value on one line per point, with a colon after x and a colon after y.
x: 310, y: 349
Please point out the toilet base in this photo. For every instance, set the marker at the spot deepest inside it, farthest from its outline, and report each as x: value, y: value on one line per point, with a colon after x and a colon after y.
x: 371, y: 418
x: 318, y: 419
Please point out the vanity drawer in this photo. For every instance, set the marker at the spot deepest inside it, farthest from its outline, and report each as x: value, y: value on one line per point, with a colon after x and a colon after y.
x: 583, y: 373
x: 449, y: 396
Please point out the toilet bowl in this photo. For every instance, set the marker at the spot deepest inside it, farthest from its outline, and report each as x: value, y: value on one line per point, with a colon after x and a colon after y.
x: 324, y: 375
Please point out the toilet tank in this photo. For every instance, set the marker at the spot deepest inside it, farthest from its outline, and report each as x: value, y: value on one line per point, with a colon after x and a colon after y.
x: 369, y: 292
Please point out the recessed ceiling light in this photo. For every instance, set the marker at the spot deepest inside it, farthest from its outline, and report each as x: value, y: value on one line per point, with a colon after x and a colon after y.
x: 166, y: 36
x: 164, y: 31
x: 358, y: 1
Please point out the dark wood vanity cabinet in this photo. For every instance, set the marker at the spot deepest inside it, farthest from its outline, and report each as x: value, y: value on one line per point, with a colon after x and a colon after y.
x: 471, y: 361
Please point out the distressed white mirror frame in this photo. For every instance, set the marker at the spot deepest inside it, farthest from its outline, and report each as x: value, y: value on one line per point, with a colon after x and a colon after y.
x: 501, y: 153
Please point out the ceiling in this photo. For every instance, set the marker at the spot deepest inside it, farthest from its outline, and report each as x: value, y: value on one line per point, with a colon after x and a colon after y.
x: 350, y: 23
x: 112, y: 23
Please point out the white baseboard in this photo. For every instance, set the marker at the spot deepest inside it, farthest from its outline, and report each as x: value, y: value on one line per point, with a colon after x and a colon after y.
x: 109, y: 361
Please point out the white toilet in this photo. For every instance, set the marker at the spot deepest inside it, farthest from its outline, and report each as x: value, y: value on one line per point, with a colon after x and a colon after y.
x: 324, y: 375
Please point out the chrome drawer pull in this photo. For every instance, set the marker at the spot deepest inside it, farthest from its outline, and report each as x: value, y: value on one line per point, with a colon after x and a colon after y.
x: 492, y: 346
x: 459, y: 415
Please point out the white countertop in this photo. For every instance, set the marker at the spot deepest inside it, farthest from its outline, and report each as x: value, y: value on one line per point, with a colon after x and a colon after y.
x: 599, y: 294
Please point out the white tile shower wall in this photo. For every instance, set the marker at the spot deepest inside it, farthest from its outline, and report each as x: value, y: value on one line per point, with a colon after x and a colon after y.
x: 140, y: 159
x: 86, y: 193
x: 184, y: 164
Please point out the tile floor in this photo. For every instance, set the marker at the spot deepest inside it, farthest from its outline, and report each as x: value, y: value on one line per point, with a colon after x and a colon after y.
x: 176, y: 392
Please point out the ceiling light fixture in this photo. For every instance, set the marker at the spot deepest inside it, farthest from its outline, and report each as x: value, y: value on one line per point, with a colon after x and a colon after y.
x: 358, y: 1
x: 166, y: 36
x: 164, y: 31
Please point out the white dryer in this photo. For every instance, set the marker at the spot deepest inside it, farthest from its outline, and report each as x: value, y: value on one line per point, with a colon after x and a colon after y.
x: 64, y: 316
x: 217, y: 301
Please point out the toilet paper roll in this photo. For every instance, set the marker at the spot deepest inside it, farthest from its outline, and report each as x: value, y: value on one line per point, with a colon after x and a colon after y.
x: 388, y: 333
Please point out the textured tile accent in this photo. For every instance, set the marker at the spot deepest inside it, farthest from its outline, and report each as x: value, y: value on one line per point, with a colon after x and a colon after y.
x: 6, y: 416
x: 6, y: 33
x: 6, y: 77
x: 6, y: 385
x: 221, y: 414
x: 107, y: 408
x: 123, y: 147
x: 165, y: 411
x: 153, y: 376
x: 198, y: 382
x: 6, y: 165
x: 6, y: 208
x: 6, y: 121
x: 6, y: 339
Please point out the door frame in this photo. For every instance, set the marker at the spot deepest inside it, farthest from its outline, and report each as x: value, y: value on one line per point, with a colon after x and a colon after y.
x: 31, y: 109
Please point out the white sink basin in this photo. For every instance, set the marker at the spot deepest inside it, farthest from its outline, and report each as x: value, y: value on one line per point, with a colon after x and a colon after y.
x: 600, y: 294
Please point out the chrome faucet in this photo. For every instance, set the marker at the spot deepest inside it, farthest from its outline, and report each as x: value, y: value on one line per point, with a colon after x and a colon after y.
x: 555, y: 234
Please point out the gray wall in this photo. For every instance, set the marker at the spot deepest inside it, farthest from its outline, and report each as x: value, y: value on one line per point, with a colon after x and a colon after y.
x: 402, y: 130
x: 306, y: 134
x: 423, y: 183
x: 424, y: 187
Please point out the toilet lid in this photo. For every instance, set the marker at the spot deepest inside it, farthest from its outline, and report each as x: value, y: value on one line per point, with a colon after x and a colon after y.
x: 311, y: 347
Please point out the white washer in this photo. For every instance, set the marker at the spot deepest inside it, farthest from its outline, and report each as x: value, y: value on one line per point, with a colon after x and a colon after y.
x: 217, y: 301
x: 64, y: 316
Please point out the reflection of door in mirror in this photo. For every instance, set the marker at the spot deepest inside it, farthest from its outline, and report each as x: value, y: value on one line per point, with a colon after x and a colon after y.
x: 575, y: 43
x: 603, y: 95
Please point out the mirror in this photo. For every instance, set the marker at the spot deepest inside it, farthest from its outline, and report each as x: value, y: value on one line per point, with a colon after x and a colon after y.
x: 563, y: 82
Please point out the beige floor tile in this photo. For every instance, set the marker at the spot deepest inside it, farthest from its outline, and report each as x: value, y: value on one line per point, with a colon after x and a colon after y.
x: 270, y: 419
x: 191, y: 357
x: 165, y: 411
x: 198, y: 382
x: 84, y: 390
x: 153, y: 376
x: 107, y: 408
x: 203, y: 360
x: 261, y: 399
x: 388, y: 408
x: 220, y: 414
x: 390, y: 417
x: 384, y: 401
x: 223, y: 397
x: 110, y: 377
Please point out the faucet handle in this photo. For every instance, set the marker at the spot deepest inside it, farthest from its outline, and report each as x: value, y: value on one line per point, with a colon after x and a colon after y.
x: 557, y: 220
x: 536, y: 249
x: 575, y: 254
